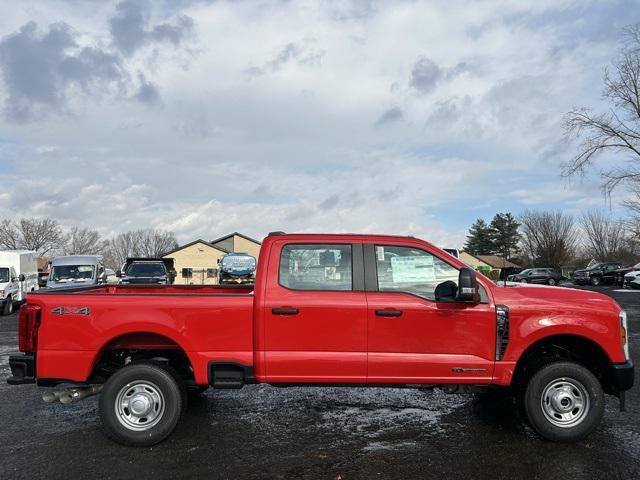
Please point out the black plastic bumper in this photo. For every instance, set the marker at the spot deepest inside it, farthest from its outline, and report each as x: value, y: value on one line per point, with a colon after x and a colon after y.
x: 620, y: 376
x: 23, y: 369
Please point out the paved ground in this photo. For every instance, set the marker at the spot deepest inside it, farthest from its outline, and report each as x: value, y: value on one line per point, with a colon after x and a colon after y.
x: 316, y: 433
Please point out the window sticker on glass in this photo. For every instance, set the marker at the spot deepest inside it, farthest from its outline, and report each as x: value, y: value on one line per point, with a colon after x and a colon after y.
x: 413, y: 269
x: 380, y: 253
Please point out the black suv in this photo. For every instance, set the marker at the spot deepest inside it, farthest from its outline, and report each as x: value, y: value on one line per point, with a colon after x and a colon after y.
x: 147, y: 271
x: 548, y: 276
x: 597, y: 275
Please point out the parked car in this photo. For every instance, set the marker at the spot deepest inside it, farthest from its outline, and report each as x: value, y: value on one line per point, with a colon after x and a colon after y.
x: 74, y: 270
x: 599, y: 274
x: 347, y: 309
x: 547, y: 276
x: 18, y: 276
x: 632, y: 279
x: 150, y: 271
x: 621, y: 272
x: 237, y: 268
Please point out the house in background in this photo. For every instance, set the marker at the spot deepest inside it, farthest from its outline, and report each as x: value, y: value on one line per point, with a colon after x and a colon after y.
x: 196, y: 263
x: 490, y: 263
x: 238, y: 243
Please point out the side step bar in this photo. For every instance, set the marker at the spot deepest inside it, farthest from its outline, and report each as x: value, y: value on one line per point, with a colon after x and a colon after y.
x: 229, y: 375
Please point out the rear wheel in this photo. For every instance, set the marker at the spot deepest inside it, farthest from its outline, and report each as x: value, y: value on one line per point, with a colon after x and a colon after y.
x: 140, y: 404
x: 564, y: 402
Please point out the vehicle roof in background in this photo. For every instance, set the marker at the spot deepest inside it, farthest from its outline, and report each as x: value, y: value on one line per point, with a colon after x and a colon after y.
x: 76, y: 260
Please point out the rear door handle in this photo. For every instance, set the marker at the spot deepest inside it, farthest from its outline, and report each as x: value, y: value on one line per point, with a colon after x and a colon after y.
x: 284, y: 311
x: 388, y: 313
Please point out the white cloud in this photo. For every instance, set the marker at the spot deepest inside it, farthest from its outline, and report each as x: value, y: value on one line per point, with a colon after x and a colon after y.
x: 399, y: 117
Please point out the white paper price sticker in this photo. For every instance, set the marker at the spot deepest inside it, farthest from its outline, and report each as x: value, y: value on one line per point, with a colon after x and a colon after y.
x: 414, y: 269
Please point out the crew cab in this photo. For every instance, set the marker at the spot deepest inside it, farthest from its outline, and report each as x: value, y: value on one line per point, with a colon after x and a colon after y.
x: 364, y: 310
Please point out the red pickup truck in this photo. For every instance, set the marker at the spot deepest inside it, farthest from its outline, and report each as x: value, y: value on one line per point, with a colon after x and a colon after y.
x: 327, y: 310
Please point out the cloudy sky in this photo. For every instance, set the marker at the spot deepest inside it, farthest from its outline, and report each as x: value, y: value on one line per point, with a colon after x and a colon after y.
x: 205, y: 117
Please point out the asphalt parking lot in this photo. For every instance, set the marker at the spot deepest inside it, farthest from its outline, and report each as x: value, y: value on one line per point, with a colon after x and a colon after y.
x: 316, y: 433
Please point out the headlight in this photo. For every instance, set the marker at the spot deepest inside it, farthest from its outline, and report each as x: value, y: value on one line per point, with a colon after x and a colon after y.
x: 624, y: 336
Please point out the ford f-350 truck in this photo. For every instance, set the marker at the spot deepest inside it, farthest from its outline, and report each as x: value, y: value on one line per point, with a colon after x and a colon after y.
x: 365, y: 310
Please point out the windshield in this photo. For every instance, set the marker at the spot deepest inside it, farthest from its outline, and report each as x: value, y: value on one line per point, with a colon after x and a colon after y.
x: 146, y: 269
x: 597, y: 265
x: 524, y: 272
x: 4, y: 275
x: 72, y: 273
x: 238, y: 262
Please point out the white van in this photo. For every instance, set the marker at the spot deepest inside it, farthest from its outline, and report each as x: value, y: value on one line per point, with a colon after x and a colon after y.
x: 76, y: 271
x: 18, y: 276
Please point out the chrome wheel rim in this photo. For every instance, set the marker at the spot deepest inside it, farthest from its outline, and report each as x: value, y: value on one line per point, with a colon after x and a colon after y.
x: 565, y: 402
x: 139, y: 405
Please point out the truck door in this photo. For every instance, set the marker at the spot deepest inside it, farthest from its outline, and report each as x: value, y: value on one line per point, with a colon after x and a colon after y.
x: 315, y: 316
x: 412, y: 338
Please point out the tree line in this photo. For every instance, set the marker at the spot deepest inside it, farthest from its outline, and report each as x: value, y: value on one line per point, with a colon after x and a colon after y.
x: 48, y: 238
x: 554, y: 238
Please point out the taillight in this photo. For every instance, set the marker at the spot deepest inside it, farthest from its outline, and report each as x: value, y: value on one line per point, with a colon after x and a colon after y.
x: 28, y: 323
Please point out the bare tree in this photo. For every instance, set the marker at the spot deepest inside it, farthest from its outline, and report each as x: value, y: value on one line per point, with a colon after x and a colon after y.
x: 617, y: 131
x: 43, y: 235
x: 9, y: 235
x: 82, y: 241
x: 139, y: 243
x: 605, y: 239
x: 120, y: 247
x: 549, y: 239
x: 155, y: 242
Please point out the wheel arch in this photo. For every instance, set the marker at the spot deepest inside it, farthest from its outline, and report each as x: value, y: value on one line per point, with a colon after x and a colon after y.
x: 562, y: 346
x: 140, y: 345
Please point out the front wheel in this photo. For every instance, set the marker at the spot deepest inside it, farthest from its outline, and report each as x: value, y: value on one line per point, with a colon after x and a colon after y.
x: 595, y: 281
x: 7, y: 308
x: 552, y: 282
x: 564, y: 402
x: 140, y: 404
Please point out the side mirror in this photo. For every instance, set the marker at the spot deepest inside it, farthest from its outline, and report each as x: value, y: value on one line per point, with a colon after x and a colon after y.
x: 118, y: 273
x: 102, y: 277
x: 21, y: 277
x: 468, y: 286
x: 173, y: 274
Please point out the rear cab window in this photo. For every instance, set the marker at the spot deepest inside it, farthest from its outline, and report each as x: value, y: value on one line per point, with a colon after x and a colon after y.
x: 316, y: 267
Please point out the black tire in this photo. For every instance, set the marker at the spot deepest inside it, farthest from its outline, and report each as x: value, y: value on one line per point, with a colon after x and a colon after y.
x: 580, y: 384
x: 596, y: 281
x: 7, y: 308
x: 552, y: 282
x: 154, y: 380
x: 524, y: 280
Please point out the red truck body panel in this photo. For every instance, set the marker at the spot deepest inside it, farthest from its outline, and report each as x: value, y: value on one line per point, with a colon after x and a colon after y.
x: 335, y: 337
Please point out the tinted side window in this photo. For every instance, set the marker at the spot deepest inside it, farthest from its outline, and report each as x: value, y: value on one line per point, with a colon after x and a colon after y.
x: 316, y: 267
x: 405, y: 269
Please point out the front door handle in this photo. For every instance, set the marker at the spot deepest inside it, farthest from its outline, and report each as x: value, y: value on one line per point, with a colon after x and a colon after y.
x: 284, y: 311
x: 388, y: 313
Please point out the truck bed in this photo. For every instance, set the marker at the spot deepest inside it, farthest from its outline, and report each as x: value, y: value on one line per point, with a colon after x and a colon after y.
x: 208, y: 323
x: 116, y: 289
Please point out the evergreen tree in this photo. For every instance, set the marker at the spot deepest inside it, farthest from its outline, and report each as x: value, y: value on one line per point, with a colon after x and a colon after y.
x: 504, y: 235
x: 480, y: 239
